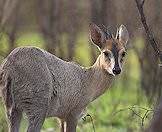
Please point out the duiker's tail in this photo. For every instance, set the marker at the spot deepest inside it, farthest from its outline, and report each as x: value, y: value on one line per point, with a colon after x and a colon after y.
x: 5, y: 85
x: 5, y: 88
x: 0, y: 85
x: 2, y: 77
x: 1, y: 81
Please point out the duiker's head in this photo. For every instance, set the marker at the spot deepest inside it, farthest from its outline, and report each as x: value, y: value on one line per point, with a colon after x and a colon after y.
x: 113, y: 49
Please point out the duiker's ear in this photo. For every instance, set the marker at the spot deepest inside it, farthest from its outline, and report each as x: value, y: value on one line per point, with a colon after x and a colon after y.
x: 96, y: 35
x: 122, y: 34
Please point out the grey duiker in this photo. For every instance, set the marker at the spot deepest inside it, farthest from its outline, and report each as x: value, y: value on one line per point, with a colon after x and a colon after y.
x: 41, y: 85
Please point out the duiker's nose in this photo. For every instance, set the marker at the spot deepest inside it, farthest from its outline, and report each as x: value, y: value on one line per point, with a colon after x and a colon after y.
x: 116, y: 70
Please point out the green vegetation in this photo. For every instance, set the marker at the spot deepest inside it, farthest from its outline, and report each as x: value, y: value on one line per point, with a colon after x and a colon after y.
x: 110, y: 112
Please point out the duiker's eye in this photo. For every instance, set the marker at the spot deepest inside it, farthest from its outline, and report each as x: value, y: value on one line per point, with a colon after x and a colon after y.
x: 123, y: 54
x: 107, y: 54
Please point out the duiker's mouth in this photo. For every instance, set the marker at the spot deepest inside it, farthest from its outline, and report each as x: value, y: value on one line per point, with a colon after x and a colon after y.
x: 110, y: 72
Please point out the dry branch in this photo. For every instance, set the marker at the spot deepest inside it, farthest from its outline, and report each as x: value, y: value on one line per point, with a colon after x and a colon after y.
x: 155, y: 125
x: 149, y: 33
x: 141, y: 117
x: 49, y: 23
x: 84, y: 119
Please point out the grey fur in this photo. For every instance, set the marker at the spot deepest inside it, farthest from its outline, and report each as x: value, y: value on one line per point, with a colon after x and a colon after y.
x: 42, y: 85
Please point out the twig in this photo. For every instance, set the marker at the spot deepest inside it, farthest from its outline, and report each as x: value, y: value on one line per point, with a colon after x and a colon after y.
x: 142, y: 3
x: 148, y: 31
x: 134, y: 112
x: 132, y: 107
x: 84, y: 119
x: 145, y: 116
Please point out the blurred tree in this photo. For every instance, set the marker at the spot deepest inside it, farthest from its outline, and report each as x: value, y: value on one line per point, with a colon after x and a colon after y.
x: 7, y: 8
x: 13, y: 28
x: 108, y: 14
x: 95, y: 14
x: 49, y: 22
x: 72, y: 27
x: 150, y: 71
x: 55, y: 18
x: 95, y: 11
x: 155, y: 124
x: 9, y: 20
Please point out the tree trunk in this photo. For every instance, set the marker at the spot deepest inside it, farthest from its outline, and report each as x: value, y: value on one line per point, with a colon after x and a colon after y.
x: 49, y: 22
x: 155, y: 124
x: 72, y: 27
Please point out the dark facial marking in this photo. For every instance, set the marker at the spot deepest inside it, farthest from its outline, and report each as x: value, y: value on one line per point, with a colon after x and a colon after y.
x: 115, y: 51
x: 115, y: 54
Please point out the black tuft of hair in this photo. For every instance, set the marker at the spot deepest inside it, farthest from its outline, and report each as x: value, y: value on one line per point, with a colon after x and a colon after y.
x: 106, y: 31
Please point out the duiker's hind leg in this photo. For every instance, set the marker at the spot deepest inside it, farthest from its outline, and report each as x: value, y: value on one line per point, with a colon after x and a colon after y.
x: 14, y: 118
x: 13, y: 114
x: 35, y: 124
x: 36, y: 120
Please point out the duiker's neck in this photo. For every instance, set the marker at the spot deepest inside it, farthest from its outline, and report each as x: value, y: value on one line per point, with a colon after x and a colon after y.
x: 98, y: 80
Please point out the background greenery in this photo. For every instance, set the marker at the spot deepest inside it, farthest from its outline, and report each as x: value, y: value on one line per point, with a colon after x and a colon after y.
x: 62, y: 28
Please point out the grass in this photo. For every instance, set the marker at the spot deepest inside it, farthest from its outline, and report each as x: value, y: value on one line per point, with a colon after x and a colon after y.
x: 124, y: 93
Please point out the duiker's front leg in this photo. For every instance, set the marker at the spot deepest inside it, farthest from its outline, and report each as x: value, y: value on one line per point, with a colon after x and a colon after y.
x: 62, y: 125
x: 35, y: 123
x: 71, y: 124
x: 36, y: 117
